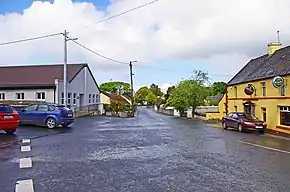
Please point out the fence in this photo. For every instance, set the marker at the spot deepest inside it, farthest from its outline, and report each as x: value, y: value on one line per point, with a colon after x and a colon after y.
x: 83, y: 110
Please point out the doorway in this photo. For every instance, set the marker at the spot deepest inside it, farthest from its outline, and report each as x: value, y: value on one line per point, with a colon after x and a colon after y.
x: 81, y: 101
x: 249, y: 107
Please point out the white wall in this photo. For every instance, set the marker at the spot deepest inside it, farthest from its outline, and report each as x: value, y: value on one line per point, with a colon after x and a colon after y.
x: 84, y: 84
x: 29, y: 94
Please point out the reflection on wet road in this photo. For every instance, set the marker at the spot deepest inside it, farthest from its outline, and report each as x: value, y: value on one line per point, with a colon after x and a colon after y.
x: 150, y: 152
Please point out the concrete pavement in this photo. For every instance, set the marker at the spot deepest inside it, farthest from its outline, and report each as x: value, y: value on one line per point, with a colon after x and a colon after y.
x: 151, y: 152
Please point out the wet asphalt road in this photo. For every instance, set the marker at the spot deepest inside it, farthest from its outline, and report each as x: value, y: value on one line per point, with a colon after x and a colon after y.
x: 150, y: 152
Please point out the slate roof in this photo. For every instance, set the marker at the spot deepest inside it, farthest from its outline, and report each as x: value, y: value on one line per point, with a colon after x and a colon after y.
x: 36, y: 75
x: 264, y: 67
x: 215, y: 97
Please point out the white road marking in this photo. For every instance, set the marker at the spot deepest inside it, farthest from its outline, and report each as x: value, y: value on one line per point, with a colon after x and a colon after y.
x: 25, y: 140
x: 24, y: 186
x: 264, y: 147
x: 132, y: 129
x: 25, y: 148
x: 277, y: 136
x: 25, y: 163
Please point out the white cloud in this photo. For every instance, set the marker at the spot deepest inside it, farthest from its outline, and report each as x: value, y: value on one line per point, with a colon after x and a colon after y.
x: 225, y: 32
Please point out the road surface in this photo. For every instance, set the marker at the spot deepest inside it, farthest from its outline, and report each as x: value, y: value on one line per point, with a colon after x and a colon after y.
x: 151, y: 152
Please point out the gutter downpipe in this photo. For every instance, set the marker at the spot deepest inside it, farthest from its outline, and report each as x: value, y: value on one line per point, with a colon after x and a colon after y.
x: 227, y: 100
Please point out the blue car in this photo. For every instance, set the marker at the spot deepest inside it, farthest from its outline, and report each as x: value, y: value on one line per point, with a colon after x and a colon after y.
x: 46, y: 114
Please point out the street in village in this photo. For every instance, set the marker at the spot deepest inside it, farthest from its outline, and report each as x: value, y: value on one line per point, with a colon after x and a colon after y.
x: 150, y: 152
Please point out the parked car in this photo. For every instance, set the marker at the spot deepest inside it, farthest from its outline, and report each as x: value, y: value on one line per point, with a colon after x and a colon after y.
x: 46, y: 114
x: 244, y: 121
x: 9, y: 118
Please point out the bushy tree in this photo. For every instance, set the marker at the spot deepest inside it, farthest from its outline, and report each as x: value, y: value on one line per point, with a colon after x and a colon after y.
x: 141, y: 95
x: 151, y: 99
x: 155, y: 89
x: 218, y: 88
x: 117, y: 87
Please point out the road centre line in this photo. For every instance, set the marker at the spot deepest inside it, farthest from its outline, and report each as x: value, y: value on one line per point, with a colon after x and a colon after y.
x: 24, y: 186
x: 264, y: 147
x: 25, y: 141
x: 25, y: 148
x: 25, y: 163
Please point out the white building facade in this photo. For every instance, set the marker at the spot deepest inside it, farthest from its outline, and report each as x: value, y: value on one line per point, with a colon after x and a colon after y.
x: 82, y: 88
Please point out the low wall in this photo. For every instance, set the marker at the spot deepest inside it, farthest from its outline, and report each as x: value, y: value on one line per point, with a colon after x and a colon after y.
x: 213, y: 116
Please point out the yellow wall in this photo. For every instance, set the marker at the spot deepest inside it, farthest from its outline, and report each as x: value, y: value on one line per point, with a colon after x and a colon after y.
x: 104, y: 99
x: 270, y: 101
x: 222, y: 108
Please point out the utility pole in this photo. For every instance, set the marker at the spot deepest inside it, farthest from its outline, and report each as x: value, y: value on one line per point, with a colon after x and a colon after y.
x: 66, y: 39
x: 131, y: 81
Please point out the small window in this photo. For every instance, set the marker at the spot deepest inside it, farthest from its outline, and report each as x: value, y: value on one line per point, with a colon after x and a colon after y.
x: 282, y: 91
x: 62, y: 95
x: 90, y: 96
x: 69, y: 98
x: 263, y: 84
x: 264, y: 114
x: 236, y: 109
x: 2, y: 96
x: 42, y: 108
x: 97, y: 98
x: 40, y: 96
x: 93, y: 98
x: 20, y: 96
x: 236, y: 91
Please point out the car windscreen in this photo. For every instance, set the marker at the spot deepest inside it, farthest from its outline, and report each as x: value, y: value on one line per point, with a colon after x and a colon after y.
x: 6, y: 108
x: 246, y: 116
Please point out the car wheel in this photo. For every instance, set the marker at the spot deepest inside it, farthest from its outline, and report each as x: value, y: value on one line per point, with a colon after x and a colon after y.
x: 240, y: 127
x: 10, y: 132
x: 51, y: 123
x: 224, y: 125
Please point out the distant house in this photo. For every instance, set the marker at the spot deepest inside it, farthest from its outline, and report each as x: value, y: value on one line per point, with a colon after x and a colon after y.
x: 106, y: 99
x: 213, y: 99
x: 45, y: 83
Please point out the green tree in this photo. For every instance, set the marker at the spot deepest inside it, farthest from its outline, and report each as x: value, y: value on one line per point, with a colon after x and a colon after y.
x: 218, y: 88
x: 141, y: 95
x: 200, y: 77
x: 117, y: 87
x: 168, y: 92
x: 151, y: 99
x: 155, y: 90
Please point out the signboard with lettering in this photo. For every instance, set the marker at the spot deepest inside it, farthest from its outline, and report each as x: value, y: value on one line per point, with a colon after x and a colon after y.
x: 278, y: 81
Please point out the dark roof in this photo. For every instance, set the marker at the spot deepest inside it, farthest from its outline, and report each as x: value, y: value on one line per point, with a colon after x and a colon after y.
x: 264, y: 67
x: 116, y: 97
x: 215, y: 97
x: 36, y: 75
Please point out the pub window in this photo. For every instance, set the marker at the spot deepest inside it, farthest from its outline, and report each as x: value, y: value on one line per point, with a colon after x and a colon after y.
x: 263, y: 84
x: 282, y: 91
x: 285, y: 115
x: 236, y: 109
x: 2, y: 96
x: 264, y: 114
x: 236, y: 91
x: 40, y: 96
x: 19, y: 96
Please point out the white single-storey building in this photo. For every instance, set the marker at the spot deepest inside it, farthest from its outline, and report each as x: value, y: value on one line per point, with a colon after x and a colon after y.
x: 45, y: 83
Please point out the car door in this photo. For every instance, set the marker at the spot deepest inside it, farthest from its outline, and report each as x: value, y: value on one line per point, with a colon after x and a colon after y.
x: 27, y: 115
x: 41, y: 113
x: 228, y: 119
x: 235, y: 120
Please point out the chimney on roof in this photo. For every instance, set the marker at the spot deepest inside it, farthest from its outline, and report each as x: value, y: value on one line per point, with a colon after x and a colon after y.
x: 274, y: 46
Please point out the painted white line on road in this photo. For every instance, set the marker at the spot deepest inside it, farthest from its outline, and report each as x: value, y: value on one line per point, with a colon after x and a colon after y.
x: 24, y: 186
x: 25, y: 140
x: 264, y: 147
x: 25, y: 148
x: 277, y: 136
x: 25, y: 163
x: 133, y: 129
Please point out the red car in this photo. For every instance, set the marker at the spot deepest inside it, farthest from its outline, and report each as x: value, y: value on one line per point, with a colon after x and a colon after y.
x: 9, y: 119
x: 243, y: 122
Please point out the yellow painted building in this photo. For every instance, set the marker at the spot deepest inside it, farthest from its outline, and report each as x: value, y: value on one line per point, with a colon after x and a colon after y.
x: 261, y: 88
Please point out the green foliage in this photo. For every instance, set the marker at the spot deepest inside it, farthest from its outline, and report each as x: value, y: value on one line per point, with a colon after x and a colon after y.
x: 218, y: 88
x: 167, y: 95
x: 151, y: 99
x: 141, y: 95
x: 211, y: 102
x: 155, y: 90
x: 200, y: 77
x: 113, y: 87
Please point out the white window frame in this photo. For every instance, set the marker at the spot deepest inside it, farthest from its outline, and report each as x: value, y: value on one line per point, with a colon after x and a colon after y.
x: 42, y: 96
x: 2, y: 96
x: 21, y: 96
x: 74, y: 98
x: 90, y: 96
x: 69, y: 98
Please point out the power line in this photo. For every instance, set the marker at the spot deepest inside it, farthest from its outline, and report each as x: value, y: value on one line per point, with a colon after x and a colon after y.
x: 30, y: 39
x: 125, y: 12
x: 98, y: 54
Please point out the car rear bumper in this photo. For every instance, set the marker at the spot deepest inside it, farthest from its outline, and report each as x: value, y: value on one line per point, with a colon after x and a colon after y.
x: 9, y: 125
x: 66, y: 121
